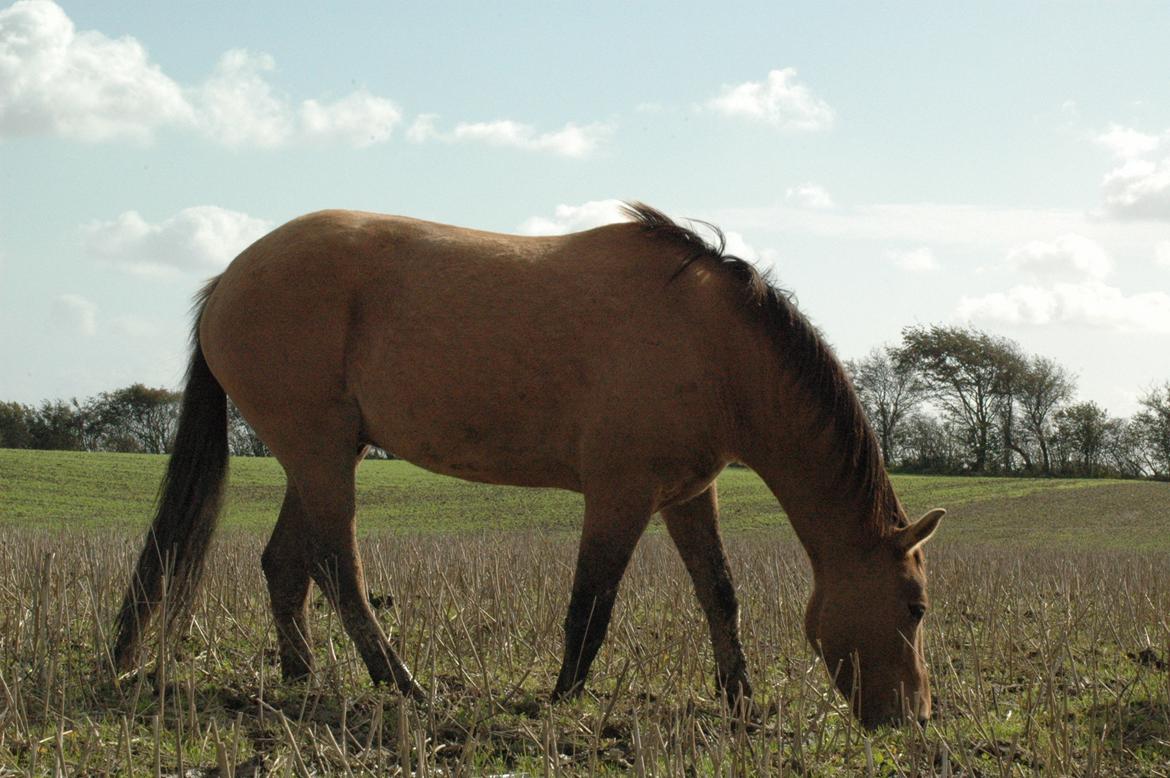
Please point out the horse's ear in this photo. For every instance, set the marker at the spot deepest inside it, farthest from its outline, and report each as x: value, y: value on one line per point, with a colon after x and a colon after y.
x: 914, y: 535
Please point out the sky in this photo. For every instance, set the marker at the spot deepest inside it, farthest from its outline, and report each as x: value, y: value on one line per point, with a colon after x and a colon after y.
x: 1000, y: 165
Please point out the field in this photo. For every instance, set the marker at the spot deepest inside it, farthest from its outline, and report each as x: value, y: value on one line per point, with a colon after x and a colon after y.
x: 1048, y: 638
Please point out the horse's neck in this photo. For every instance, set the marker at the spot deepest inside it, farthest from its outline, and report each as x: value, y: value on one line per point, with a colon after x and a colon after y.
x: 807, y: 472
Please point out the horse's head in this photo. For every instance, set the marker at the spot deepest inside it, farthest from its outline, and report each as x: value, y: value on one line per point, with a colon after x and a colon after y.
x: 865, y: 618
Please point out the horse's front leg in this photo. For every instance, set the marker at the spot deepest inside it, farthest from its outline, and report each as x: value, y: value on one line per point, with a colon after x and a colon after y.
x: 694, y: 527
x: 612, y: 527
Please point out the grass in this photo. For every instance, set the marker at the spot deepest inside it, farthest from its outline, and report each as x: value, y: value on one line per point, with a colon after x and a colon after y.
x: 68, y: 490
x: 1048, y: 638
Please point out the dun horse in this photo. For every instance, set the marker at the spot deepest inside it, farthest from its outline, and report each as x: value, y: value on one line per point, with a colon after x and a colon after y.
x: 630, y: 363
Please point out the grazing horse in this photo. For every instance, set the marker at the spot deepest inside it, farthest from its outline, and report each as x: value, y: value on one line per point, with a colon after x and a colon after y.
x: 630, y: 363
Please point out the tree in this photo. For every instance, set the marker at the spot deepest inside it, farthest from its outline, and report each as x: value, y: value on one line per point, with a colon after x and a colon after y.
x: 242, y: 439
x: 14, y: 425
x: 1083, y: 429
x: 56, y: 425
x: 930, y: 445
x: 1152, y: 423
x: 1042, y: 387
x: 965, y: 372
x: 1124, y: 450
x: 1012, y: 367
x: 889, y: 391
x: 136, y: 418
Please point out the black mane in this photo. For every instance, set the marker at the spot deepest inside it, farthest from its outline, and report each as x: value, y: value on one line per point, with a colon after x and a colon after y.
x: 806, y: 356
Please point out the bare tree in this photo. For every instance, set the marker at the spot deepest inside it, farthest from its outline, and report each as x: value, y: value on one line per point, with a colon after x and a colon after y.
x: 889, y: 390
x: 242, y: 439
x: 1042, y: 387
x: 1153, y: 427
x: 1012, y: 366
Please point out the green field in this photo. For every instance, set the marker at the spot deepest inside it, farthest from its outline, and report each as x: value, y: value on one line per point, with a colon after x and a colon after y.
x: 66, y: 490
x: 1048, y: 638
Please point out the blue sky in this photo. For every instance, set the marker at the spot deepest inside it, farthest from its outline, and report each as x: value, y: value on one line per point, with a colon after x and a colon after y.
x: 1004, y: 165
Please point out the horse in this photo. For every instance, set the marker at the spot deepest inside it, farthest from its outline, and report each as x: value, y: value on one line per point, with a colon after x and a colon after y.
x: 631, y: 363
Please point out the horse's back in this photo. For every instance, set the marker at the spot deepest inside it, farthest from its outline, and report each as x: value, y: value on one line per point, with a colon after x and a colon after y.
x: 492, y: 357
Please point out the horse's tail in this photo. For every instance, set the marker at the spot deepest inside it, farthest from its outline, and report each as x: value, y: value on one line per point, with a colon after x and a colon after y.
x: 188, y: 506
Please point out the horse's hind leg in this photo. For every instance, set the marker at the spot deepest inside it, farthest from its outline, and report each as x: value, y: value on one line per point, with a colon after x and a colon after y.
x: 286, y: 568
x: 326, y: 490
x: 694, y: 527
x: 613, y: 524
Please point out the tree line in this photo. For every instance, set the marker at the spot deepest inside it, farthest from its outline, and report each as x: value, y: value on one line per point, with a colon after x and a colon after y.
x: 943, y: 400
x: 137, y: 418
x: 960, y: 400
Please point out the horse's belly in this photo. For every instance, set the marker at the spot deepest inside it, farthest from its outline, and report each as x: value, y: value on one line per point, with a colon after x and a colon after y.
x: 460, y: 440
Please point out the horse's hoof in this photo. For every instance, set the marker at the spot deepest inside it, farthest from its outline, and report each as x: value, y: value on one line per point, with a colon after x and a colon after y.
x: 566, y: 692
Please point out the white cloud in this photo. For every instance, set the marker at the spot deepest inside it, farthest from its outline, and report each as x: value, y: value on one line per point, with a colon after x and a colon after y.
x: 423, y: 128
x: 1068, y: 257
x: 780, y: 100
x: 79, y: 85
x: 237, y: 106
x: 575, y: 218
x: 202, y: 239
x: 74, y: 314
x: 1069, y: 286
x: 1138, y: 189
x: 572, y: 140
x: 359, y: 120
x: 1138, y: 186
x: 596, y: 213
x: 916, y: 260
x: 1162, y: 254
x: 1127, y: 142
x: 1090, y: 303
x: 85, y: 86
x: 737, y: 246
x: 809, y: 195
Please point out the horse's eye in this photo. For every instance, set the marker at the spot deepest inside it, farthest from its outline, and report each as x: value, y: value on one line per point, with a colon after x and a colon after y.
x: 917, y: 610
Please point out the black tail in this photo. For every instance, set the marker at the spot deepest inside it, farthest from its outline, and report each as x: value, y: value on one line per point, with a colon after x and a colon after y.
x: 188, y: 507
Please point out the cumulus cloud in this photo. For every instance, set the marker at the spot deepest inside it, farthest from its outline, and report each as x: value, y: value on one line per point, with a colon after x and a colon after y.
x: 809, y: 195
x: 238, y: 107
x: 359, y: 120
x: 1069, y: 256
x: 202, y: 239
x: 916, y: 260
x: 74, y: 314
x: 1138, y: 186
x: 575, y: 218
x: 1138, y: 189
x: 1068, y: 284
x: 1091, y: 303
x: 84, y: 86
x: 780, y: 101
x: 596, y: 213
x: 572, y: 140
x: 1127, y: 142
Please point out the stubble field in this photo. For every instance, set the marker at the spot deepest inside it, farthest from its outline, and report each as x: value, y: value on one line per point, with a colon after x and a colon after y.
x: 1048, y: 638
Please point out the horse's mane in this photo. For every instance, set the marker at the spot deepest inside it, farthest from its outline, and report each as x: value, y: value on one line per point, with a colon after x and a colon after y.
x: 806, y: 354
